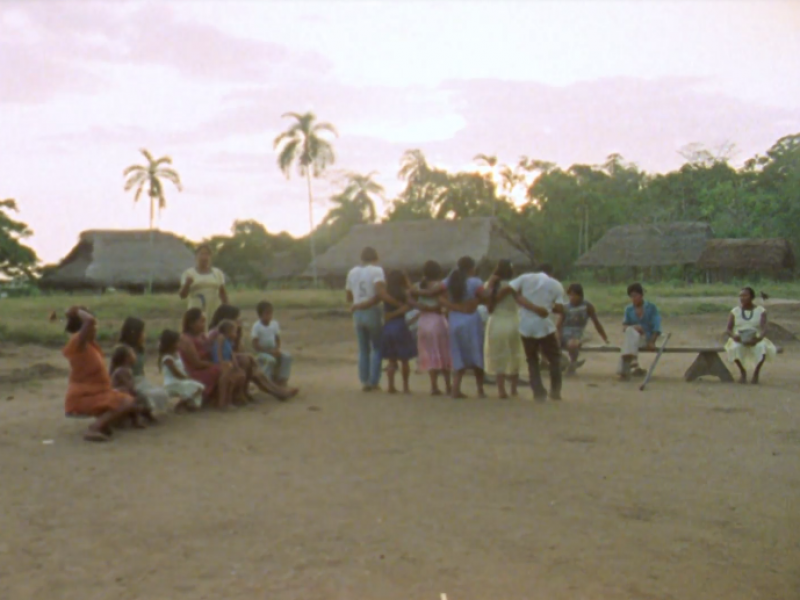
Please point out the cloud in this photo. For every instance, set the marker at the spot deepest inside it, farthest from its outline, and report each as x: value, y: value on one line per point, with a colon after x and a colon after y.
x: 52, y: 48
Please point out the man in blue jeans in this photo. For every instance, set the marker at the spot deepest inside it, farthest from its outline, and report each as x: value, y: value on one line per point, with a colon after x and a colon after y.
x: 366, y: 286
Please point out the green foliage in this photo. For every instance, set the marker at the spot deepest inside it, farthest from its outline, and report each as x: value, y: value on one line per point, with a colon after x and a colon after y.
x: 17, y: 261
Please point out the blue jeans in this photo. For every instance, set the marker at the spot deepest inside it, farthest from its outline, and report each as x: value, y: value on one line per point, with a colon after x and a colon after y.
x: 369, y: 325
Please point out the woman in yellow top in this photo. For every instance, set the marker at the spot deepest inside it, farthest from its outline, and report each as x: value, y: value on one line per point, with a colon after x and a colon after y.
x: 203, y: 284
x: 748, y: 346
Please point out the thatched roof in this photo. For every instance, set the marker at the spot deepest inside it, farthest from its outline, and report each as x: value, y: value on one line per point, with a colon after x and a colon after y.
x: 122, y: 259
x: 648, y: 246
x: 408, y: 244
x: 748, y: 254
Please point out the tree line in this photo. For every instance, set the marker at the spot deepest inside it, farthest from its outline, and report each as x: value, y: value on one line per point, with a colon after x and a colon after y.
x: 557, y: 212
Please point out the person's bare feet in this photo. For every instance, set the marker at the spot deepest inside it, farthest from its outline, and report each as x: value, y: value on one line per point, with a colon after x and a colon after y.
x: 555, y: 396
x: 436, y: 392
x: 754, y: 381
x: 407, y: 391
x: 459, y: 396
x: 290, y: 393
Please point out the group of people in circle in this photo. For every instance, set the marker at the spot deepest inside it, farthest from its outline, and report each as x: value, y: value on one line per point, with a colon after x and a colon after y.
x: 205, y: 364
x: 452, y: 323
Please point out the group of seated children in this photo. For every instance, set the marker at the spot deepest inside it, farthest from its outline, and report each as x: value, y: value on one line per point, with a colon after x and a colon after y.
x: 121, y: 393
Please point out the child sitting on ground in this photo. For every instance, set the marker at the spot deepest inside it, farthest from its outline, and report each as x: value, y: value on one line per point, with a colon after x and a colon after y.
x: 223, y: 340
x: 176, y: 381
x: 123, y: 360
x: 266, y: 338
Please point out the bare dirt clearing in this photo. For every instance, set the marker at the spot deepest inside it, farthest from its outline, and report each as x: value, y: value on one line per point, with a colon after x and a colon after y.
x: 683, y: 491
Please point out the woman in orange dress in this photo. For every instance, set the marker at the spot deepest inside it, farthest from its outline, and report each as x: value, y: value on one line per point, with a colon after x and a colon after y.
x: 89, y: 393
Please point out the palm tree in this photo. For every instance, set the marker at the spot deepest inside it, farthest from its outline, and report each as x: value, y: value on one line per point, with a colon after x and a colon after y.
x: 150, y: 176
x: 303, y: 145
x: 360, y: 190
x: 487, y: 160
x: 414, y: 166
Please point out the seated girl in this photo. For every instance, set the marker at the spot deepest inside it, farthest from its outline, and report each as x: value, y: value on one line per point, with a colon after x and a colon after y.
x: 90, y: 393
x: 572, y: 325
x: 176, y: 381
x: 132, y: 335
x: 222, y: 338
x: 121, y: 366
x: 748, y: 346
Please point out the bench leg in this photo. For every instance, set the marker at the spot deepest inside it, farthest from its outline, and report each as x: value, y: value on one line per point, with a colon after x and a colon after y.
x: 708, y: 363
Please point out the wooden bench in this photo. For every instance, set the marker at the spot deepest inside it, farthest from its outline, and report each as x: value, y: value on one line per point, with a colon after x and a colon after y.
x: 707, y: 361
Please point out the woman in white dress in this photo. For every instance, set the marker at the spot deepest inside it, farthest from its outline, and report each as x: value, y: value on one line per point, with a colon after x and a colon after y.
x: 747, y: 346
x: 203, y: 284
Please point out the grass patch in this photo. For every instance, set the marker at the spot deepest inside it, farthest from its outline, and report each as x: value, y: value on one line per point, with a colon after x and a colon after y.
x: 26, y: 320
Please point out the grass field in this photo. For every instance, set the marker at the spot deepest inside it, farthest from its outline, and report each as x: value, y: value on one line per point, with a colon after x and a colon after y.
x: 26, y: 320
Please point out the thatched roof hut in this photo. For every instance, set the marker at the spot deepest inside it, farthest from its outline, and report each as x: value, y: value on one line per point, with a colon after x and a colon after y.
x: 408, y: 244
x: 737, y: 257
x: 640, y: 246
x: 122, y: 260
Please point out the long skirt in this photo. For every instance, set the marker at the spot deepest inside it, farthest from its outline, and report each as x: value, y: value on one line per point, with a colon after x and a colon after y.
x: 187, y: 389
x: 433, y: 342
x: 750, y: 356
x: 397, y: 343
x: 466, y: 340
x: 503, y: 345
x: 155, y: 396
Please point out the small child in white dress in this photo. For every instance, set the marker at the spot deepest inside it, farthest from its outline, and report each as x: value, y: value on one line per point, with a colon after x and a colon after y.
x: 176, y: 381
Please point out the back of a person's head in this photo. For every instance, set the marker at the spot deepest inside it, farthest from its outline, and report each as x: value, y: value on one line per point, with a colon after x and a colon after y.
x: 396, y: 284
x: 504, y: 269
x: 466, y: 264
x: 369, y: 255
x: 225, y: 311
x: 431, y: 271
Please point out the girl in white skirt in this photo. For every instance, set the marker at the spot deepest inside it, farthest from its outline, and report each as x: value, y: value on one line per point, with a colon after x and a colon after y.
x: 176, y: 381
x: 747, y: 346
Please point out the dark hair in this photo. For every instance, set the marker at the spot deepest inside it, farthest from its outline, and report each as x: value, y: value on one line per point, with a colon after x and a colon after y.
x: 74, y: 322
x: 263, y: 307
x: 751, y: 291
x: 224, y: 311
x: 457, y: 282
x: 190, y: 317
x: 431, y: 271
x: 635, y: 288
x: 201, y: 247
x: 504, y: 272
x: 577, y: 289
x: 396, y: 285
x: 369, y: 255
x: 119, y: 356
x: 167, y: 343
x: 225, y: 326
x: 131, y: 333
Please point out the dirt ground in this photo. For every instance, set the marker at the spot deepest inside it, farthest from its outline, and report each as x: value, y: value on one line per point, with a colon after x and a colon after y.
x: 683, y: 491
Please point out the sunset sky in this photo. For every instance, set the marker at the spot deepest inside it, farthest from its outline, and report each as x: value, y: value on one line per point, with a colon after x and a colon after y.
x: 84, y: 85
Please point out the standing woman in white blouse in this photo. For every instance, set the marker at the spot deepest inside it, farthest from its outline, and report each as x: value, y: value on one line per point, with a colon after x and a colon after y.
x: 748, y: 346
x: 203, y: 284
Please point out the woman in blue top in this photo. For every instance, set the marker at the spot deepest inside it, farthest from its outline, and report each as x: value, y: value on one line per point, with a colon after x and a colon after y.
x: 466, y: 327
x: 642, y: 326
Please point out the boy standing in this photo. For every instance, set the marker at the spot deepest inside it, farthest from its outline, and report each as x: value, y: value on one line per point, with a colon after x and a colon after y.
x: 266, y: 336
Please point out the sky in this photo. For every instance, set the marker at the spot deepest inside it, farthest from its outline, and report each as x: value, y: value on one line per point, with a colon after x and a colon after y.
x: 85, y: 85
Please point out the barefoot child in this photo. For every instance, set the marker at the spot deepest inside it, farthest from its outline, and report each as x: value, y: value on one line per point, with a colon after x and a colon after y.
x: 223, y: 339
x: 266, y: 338
x: 123, y: 360
x: 176, y: 381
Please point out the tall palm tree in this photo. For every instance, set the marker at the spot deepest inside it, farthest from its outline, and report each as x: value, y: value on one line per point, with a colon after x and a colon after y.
x: 362, y: 191
x: 150, y: 176
x: 303, y: 145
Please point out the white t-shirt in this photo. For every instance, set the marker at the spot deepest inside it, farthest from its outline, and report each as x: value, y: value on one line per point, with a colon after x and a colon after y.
x: 543, y: 291
x: 361, y: 282
x: 266, y: 334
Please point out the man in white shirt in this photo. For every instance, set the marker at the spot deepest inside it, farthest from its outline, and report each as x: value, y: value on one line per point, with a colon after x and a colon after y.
x: 364, y: 286
x: 537, y: 291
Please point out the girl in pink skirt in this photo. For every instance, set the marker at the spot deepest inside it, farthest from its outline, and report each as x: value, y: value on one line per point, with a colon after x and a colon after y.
x: 433, y: 337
